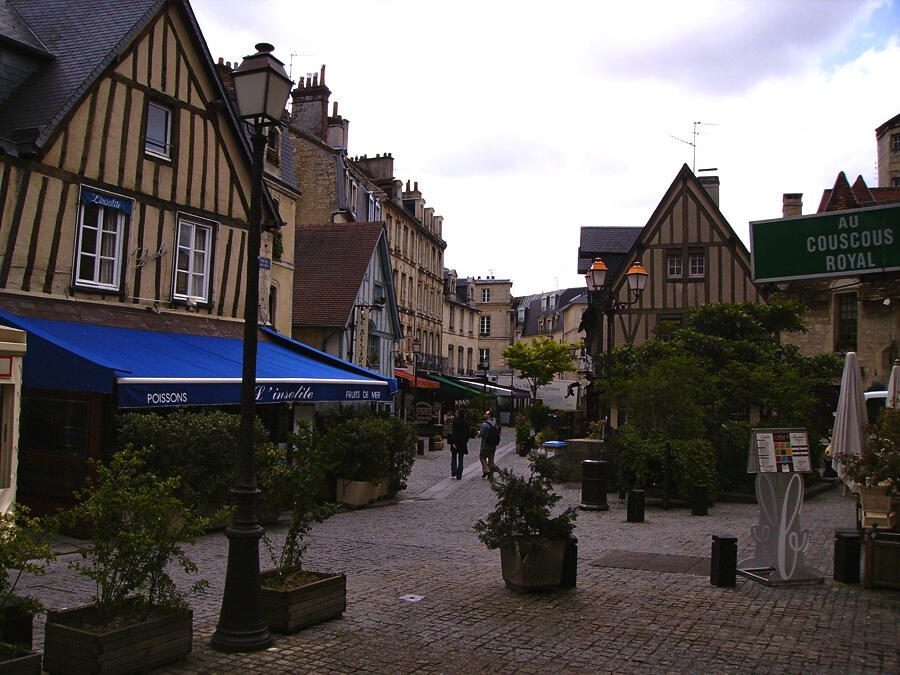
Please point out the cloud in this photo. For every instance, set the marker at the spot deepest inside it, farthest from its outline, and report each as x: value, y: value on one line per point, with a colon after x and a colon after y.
x: 498, y: 155
x: 727, y: 48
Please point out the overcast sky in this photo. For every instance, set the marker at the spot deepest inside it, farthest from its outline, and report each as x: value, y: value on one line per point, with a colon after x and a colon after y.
x: 524, y: 121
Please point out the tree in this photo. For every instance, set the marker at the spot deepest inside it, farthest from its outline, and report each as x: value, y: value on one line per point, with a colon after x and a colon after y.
x: 538, y: 361
x: 704, y: 378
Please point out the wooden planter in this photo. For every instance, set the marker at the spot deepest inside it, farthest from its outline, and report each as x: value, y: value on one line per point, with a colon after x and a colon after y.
x: 530, y: 568
x: 882, y: 560
x: 287, y: 611
x: 19, y: 661
x: 17, y: 621
x: 71, y: 645
x: 356, y: 492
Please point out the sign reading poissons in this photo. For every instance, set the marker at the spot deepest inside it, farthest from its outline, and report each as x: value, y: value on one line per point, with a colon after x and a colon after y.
x: 842, y: 243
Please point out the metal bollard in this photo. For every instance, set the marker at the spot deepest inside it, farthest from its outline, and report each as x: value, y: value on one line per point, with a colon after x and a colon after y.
x: 847, y: 546
x: 635, y: 506
x: 723, y: 561
x: 593, y: 485
x: 570, y: 564
x: 699, y: 500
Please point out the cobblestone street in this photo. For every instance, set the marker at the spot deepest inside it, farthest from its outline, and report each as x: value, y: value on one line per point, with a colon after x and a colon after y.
x: 616, y: 620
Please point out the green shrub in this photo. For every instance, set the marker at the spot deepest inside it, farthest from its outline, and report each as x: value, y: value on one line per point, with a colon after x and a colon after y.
x: 138, y: 526
x: 23, y: 548
x: 524, y: 508
x: 198, y: 446
x: 641, y: 458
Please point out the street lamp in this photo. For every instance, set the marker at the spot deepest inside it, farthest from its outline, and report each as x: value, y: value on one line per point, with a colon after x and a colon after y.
x: 261, y: 87
x: 602, y: 298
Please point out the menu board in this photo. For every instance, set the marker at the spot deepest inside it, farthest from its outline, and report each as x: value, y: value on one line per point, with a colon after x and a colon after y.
x: 779, y: 451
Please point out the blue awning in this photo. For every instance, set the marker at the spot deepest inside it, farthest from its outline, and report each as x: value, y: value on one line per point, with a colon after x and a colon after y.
x: 145, y: 368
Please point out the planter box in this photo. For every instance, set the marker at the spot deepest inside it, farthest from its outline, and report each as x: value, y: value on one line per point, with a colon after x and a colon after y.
x: 17, y: 622
x: 287, y: 611
x: 528, y: 568
x: 72, y: 646
x: 356, y: 492
x: 882, y: 560
x: 19, y: 661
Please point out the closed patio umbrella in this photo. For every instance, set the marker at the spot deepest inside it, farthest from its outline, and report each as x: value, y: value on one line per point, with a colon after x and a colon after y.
x: 893, y: 388
x: 849, y: 434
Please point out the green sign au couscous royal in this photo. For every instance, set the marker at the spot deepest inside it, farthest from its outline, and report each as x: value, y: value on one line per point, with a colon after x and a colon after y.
x: 842, y: 243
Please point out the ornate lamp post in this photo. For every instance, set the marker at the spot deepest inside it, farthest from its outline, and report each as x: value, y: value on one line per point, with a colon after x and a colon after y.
x: 416, y: 350
x: 602, y: 299
x: 261, y: 86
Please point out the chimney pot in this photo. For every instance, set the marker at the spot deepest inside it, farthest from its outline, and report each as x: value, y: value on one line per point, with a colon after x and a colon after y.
x: 792, y: 204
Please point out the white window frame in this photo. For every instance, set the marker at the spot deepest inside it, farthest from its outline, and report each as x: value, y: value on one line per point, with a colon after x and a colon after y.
x: 161, y: 148
x: 113, y: 254
x: 484, y: 355
x: 485, y: 294
x: 193, y: 225
x: 696, y: 265
x: 484, y: 324
x: 674, y: 266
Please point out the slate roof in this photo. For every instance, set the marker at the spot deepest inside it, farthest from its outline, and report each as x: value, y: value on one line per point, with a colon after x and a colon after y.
x: 610, y: 243
x: 844, y: 196
x: 331, y: 261
x: 14, y: 28
x: 532, y: 303
x: 84, y: 36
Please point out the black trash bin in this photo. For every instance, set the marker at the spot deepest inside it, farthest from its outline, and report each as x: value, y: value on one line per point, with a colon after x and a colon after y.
x: 723, y: 561
x: 635, y: 506
x: 847, y: 548
x: 593, y: 485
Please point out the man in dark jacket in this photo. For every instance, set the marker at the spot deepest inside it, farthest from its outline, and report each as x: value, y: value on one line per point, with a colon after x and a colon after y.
x: 488, y: 444
x: 459, y: 443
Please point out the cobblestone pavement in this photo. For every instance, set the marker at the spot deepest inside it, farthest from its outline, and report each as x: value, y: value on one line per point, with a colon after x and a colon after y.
x: 616, y: 620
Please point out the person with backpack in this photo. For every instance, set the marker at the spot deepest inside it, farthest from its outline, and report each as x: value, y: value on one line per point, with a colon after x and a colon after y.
x: 490, y: 439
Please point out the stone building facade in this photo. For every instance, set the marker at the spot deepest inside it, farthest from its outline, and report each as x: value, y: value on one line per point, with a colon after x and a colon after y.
x: 460, y: 326
x: 493, y: 298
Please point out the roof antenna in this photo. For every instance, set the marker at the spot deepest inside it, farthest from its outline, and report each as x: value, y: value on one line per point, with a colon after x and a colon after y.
x: 693, y: 141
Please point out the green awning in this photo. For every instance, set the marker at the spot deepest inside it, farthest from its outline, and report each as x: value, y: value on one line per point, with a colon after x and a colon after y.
x: 452, y: 389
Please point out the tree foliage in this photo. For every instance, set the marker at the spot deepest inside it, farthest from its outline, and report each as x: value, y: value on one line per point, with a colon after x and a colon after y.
x: 538, y: 361
x: 705, y: 377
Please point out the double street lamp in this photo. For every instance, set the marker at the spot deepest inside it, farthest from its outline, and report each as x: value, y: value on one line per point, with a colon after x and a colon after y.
x: 602, y: 298
x: 261, y: 87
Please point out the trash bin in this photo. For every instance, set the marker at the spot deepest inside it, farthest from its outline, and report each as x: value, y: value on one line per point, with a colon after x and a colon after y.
x: 593, y: 485
x: 847, y: 547
x: 550, y: 448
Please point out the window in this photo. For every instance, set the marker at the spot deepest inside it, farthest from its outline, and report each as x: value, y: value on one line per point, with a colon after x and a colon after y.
x: 484, y: 325
x: 374, y: 348
x: 484, y: 357
x: 379, y: 295
x: 450, y: 351
x: 895, y: 181
x: 273, y: 146
x: 485, y: 294
x: 158, y: 138
x: 673, y: 266
x: 845, y: 312
x: 101, y: 233
x: 273, y: 304
x: 696, y: 265
x: 452, y: 316
x: 192, y: 261
x: 895, y: 142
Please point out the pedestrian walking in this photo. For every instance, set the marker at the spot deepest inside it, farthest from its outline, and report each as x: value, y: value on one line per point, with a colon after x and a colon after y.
x: 490, y: 439
x: 459, y: 443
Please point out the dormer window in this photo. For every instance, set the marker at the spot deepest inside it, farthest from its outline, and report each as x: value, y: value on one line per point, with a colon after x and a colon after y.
x: 273, y: 146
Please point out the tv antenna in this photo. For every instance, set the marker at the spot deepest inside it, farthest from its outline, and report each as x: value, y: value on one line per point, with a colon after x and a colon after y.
x: 693, y: 141
x: 291, y: 64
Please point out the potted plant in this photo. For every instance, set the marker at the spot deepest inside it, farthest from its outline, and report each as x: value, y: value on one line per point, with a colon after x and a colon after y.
x: 23, y: 548
x: 369, y: 457
x: 292, y: 596
x: 523, y: 436
x: 532, y: 541
x: 139, y: 618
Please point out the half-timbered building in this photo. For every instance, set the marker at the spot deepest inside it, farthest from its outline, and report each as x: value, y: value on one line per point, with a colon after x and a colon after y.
x: 692, y: 255
x: 125, y: 187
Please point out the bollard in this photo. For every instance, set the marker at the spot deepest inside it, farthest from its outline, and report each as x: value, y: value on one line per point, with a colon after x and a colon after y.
x: 570, y: 564
x: 847, y: 546
x: 593, y: 485
x: 723, y: 561
x: 635, y: 506
x: 699, y: 500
